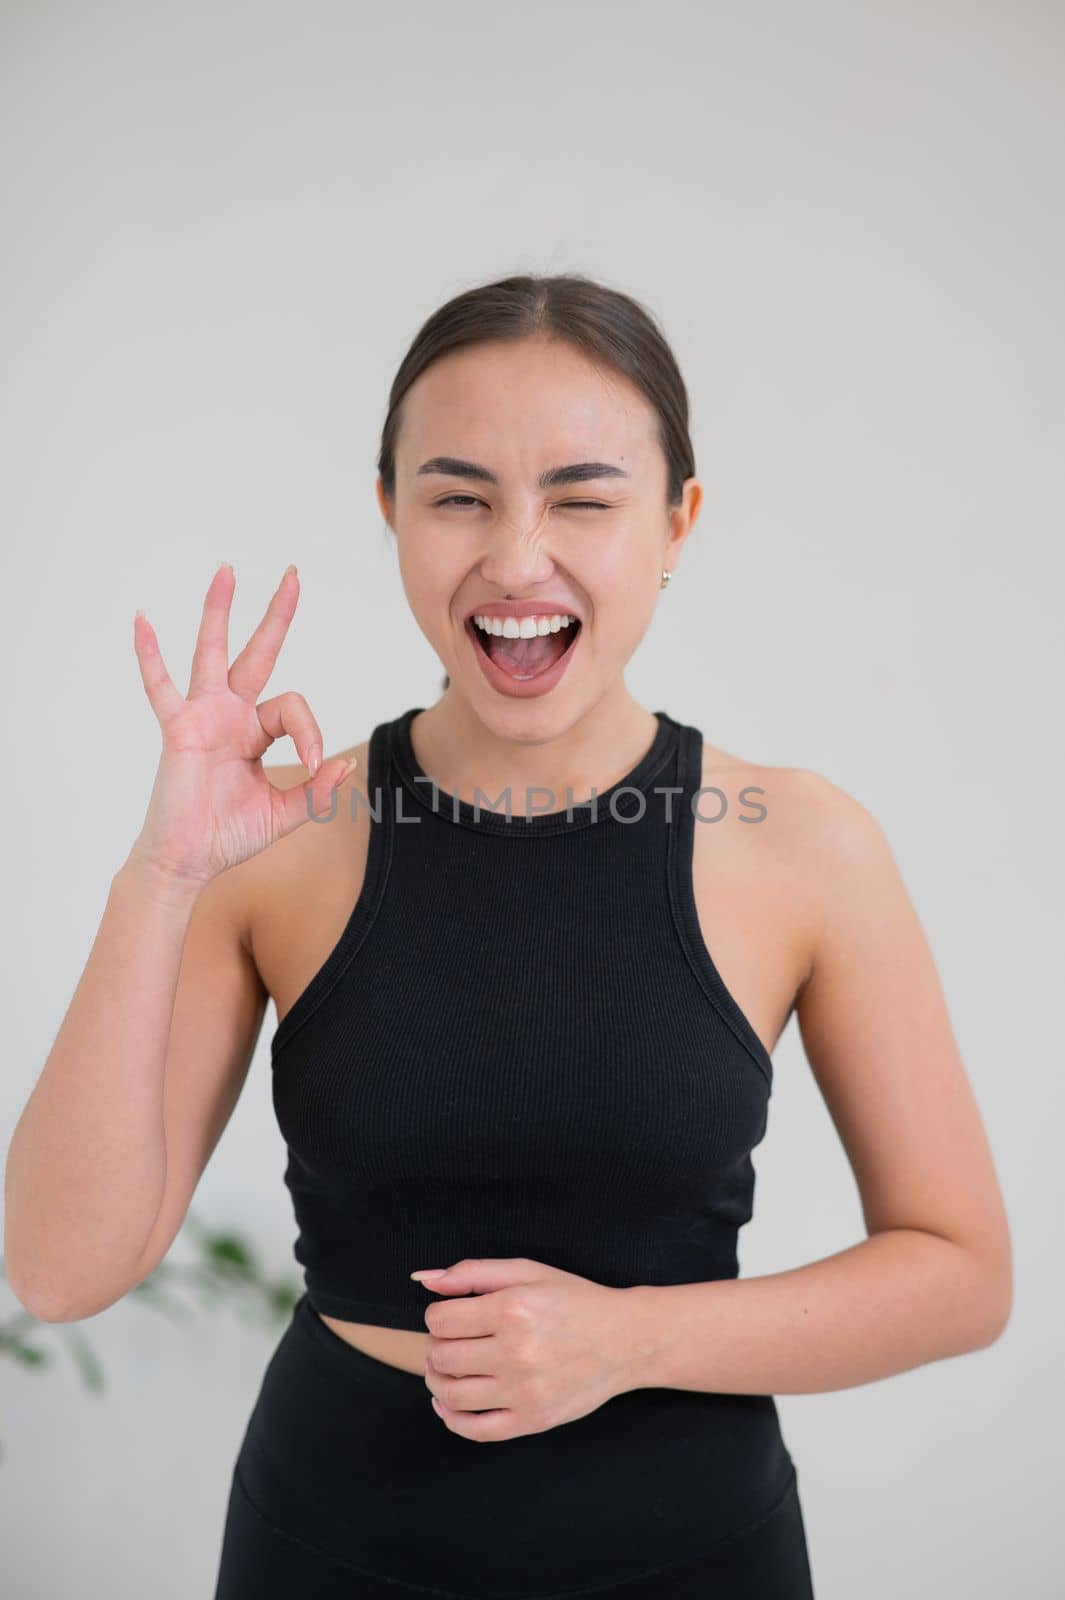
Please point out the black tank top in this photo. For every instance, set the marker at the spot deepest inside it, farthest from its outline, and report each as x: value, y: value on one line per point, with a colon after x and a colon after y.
x: 519, y: 1046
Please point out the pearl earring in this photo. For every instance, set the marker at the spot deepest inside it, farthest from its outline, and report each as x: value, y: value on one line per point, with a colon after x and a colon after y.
x: 666, y: 575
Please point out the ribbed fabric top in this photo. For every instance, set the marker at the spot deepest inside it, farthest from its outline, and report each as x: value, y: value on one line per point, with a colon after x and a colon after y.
x: 519, y: 1046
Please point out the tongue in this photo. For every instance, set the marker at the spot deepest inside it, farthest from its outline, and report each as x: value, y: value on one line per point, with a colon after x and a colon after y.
x: 528, y: 656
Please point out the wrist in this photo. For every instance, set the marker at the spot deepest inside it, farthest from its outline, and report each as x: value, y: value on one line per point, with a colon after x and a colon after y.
x: 161, y: 882
x: 643, y: 1334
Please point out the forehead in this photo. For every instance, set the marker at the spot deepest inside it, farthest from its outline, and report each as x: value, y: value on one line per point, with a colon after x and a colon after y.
x: 524, y: 406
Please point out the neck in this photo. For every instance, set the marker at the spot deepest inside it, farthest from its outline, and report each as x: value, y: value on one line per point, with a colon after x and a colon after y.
x: 531, y: 747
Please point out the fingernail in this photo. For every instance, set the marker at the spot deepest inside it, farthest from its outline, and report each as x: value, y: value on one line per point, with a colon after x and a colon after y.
x: 290, y: 568
x: 429, y: 1272
x: 314, y: 757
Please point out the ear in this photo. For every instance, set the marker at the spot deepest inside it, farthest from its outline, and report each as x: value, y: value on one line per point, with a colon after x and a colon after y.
x: 682, y: 518
x: 384, y: 502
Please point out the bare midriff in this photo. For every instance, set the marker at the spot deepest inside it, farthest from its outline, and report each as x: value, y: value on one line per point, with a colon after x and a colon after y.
x: 396, y: 1347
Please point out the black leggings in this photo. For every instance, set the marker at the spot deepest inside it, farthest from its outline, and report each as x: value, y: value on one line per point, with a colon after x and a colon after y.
x: 348, y: 1486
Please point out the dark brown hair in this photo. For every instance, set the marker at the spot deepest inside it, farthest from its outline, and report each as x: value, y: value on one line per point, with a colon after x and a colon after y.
x: 607, y: 326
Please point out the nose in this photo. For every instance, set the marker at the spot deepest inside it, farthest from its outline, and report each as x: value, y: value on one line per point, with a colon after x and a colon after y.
x: 516, y: 559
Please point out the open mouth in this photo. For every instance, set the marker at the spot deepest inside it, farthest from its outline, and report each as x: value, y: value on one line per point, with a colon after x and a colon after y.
x: 520, y: 658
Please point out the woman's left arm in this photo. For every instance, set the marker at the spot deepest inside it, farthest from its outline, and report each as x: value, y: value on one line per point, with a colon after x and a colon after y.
x: 934, y: 1277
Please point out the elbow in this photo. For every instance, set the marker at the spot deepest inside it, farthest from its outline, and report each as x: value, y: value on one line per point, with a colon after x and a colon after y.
x: 52, y: 1292
x: 995, y: 1319
x: 53, y: 1309
x: 37, y: 1290
x: 981, y: 1292
x: 992, y: 1303
x: 35, y: 1298
x: 50, y: 1301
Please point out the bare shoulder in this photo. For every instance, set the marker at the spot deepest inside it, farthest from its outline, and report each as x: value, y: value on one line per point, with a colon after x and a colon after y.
x: 801, y: 809
x: 800, y: 853
x: 839, y: 834
x: 835, y: 857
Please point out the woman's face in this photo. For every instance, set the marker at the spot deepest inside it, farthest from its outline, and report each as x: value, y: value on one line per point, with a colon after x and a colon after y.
x: 475, y: 539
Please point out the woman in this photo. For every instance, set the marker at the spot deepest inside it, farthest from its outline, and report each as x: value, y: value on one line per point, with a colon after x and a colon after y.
x: 530, y: 961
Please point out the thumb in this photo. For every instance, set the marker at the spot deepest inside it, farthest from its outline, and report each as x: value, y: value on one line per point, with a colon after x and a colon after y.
x: 480, y: 1276
x: 314, y: 799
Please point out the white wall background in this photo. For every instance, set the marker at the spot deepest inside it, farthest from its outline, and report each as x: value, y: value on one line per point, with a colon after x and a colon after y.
x: 223, y: 224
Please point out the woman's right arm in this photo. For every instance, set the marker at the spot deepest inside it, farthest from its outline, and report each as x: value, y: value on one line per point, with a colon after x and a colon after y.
x: 155, y: 1045
x: 160, y: 1031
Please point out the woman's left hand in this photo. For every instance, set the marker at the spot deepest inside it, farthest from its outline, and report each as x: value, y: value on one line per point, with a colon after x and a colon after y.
x: 530, y: 1348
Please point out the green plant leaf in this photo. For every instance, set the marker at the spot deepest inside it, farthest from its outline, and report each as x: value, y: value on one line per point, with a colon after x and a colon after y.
x: 85, y: 1359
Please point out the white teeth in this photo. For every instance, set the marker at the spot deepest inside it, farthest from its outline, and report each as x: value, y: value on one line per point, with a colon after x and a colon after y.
x: 524, y: 627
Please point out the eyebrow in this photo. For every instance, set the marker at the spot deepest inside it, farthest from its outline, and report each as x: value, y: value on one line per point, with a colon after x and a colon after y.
x: 578, y: 472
